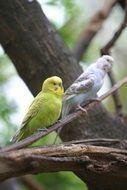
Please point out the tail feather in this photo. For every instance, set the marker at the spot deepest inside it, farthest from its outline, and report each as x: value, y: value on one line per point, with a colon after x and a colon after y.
x: 65, y: 110
x: 18, y: 136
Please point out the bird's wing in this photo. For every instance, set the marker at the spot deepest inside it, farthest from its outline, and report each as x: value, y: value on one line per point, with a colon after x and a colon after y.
x: 78, y: 88
x: 33, y: 110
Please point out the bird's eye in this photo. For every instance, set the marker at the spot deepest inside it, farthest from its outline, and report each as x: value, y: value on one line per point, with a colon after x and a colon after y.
x: 54, y: 83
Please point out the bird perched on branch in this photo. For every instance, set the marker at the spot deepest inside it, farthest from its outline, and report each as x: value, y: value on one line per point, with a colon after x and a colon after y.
x: 44, y: 110
x: 86, y: 85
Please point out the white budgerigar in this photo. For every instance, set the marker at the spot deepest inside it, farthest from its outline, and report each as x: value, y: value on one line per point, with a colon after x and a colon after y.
x: 86, y: 85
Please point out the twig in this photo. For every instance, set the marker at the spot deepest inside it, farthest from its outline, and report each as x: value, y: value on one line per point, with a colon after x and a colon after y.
x: 93, y: 27
x: 96, y: 142
x: 114, y: 88
x: 114, y: 143
x: 68, y: 119
x: 105, y: 51
x: 115, y: 95
x: 30, y: 182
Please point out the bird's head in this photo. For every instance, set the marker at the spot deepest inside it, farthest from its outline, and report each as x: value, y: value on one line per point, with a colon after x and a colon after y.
x: 53, y: 85
x: 105, y: 63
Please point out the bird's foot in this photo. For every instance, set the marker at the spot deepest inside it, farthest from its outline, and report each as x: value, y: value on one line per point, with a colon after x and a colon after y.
x: 59, y: 121
x: 81, y: 108
x: 42, y: 130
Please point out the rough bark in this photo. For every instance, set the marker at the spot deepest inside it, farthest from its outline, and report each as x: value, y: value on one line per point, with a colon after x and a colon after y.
x: 33, y: 44
x: 37, y: 52
x: 104, y: 164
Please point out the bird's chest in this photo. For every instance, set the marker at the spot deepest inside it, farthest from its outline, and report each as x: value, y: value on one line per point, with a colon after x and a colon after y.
x: 49, y: 113
x: 54, y: 109
x: 98, y: 82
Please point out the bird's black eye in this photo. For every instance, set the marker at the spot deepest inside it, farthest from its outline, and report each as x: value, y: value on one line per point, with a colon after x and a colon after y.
x: 54, y: 83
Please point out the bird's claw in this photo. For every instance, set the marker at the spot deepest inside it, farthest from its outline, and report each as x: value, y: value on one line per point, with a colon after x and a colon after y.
x: 59, y: 121
x: 42, y: 130
x: 82, y: 109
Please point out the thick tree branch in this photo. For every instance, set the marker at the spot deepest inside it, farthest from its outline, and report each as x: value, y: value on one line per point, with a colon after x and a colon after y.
x: 71, y: 157
x: 92, y: 28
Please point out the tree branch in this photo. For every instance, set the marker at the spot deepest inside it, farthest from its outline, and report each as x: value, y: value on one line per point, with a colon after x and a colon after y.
x: 69, y: 157
x: 62, y: 123
x: 106, y: 49
x: 92, y: 28
x: 114, y: 143
x: 114, y: 88
x: 115, y: 95
x: 30, y: 182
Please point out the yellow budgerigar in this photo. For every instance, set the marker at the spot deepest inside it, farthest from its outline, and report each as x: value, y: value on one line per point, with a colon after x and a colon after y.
x: 44, y: 111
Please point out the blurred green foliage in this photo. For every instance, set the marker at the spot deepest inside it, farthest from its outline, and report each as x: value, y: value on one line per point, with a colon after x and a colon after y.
x: 7, y: 107
x: 61, y: 181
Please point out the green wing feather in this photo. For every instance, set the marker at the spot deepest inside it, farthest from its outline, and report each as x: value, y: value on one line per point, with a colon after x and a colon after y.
x: 33, y: 109
x: 32, y: 112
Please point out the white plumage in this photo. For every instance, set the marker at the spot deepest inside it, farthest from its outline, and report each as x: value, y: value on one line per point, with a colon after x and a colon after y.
x: 87, y: 84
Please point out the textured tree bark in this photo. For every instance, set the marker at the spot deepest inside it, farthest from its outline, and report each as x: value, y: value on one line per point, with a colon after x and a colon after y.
x: 37, y: 52
x: 33, y: 45
x: 98, y: 163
